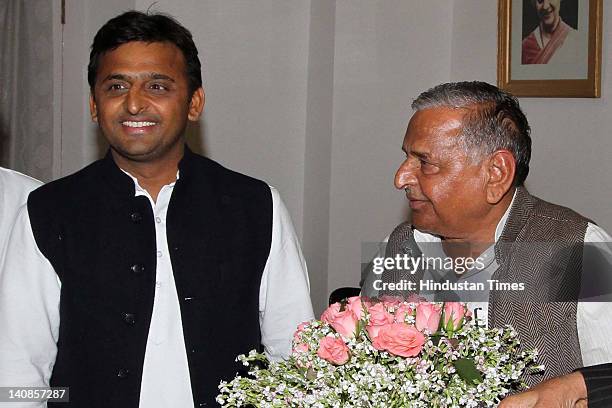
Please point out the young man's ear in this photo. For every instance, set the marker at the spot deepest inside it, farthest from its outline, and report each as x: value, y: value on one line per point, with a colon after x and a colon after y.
x: 196, y: 104
x: 501, y: 167
x: 93, y: 109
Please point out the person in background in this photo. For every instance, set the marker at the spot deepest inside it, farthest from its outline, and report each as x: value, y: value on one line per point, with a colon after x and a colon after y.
x: 14, y: 190
x: 553, y: 40
x: 137, y: 281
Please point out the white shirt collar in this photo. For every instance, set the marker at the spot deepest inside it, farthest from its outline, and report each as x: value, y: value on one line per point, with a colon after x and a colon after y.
x: 141, y: 191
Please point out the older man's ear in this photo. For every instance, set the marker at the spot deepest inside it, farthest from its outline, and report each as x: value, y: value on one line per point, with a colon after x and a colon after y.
x: 500, y: 170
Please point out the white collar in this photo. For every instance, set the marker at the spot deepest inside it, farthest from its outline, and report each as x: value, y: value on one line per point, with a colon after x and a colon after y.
x: 138, y: 188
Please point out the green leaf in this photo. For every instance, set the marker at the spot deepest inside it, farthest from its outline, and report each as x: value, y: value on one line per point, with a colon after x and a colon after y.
x: 359, y: 327
x: 466, y: 368
x: 450, y: 325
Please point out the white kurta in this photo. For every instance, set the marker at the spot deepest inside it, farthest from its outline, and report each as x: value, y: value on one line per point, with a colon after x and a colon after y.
x: 14, y: 190
x: 29, y: 309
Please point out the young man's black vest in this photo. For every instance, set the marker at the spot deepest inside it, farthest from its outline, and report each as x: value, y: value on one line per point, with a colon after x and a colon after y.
x: 100, y: 239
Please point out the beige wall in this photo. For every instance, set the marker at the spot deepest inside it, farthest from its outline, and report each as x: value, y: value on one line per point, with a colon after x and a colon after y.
x: 317, y: 154
x: 314, y: 97
x: 383, y: 58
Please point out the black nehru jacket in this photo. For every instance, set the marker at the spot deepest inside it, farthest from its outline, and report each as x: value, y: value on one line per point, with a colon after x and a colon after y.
x: 100, y: 239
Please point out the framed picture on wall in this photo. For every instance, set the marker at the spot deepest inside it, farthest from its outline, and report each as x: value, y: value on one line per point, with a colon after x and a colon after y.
x: 550, y: 48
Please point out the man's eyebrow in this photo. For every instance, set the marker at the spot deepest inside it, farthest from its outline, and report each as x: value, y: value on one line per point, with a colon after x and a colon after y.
x: 155, y: 75
x: 148, y: 75
x: 420, y: 155
x: 119, y: 77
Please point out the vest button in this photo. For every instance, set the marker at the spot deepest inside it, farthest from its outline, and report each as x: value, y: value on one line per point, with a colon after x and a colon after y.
x: 135, y: 217
x: 137, y: 268
x: 129, y: 318
x: 123, y: 373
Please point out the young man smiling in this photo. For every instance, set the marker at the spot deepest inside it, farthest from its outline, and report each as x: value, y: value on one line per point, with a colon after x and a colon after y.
x: 137, y: 280
x: 142, y: 100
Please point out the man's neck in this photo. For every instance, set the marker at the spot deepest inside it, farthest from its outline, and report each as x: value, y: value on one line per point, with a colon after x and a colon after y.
x: 151, y: 175
x: 475, y: 242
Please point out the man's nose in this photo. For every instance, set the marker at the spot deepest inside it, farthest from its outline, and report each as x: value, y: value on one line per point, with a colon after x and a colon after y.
x: 135, y: 101
x: 405, y: 175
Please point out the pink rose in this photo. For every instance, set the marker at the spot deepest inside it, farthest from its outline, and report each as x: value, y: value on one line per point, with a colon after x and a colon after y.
x: 453, y: 315
x: 403, y: 311
x: 373, y: 331
x: 356, y: 305
x: 333, y: 350
x: 428, y: 317
x: 299, y: 348
x: 343, y: 322
x: 379, y: 316
x: 399, y: 339
x: 300, y: 329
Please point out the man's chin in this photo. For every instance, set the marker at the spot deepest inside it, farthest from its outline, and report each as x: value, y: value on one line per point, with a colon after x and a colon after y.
x: 142, y: 155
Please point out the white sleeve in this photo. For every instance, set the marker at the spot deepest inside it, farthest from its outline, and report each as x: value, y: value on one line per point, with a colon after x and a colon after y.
x: 284, y: 293
x: 29, y: 311
x: 594, y: 319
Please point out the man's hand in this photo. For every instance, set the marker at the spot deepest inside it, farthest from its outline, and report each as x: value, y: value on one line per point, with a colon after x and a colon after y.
x: 568, y: 391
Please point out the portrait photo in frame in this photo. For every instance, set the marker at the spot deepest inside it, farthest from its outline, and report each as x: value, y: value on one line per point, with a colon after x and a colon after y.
x: 550, y: 48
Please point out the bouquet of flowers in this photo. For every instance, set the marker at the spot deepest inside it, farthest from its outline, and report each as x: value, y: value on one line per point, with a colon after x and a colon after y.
x: 386, y: 353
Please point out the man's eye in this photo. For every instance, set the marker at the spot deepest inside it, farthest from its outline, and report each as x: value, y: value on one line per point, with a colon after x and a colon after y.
x: 116, y: 87
x: 158, y: 87
x: 428, y: 168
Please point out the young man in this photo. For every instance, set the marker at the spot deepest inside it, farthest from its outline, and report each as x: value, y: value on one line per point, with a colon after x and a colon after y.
x: 137, y: 280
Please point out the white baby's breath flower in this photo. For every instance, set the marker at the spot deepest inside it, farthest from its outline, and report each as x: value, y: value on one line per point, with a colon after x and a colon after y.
x: 375, y: 378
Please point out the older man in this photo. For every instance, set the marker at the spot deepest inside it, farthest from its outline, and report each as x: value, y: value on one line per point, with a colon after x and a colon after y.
x: 137, y: 280
x: 467, y: 155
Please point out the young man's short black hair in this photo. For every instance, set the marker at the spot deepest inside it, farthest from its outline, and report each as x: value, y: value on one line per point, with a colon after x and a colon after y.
x: 137, y: 26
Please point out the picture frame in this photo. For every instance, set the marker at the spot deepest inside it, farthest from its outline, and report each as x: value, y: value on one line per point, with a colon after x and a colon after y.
x: 542, y: 55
